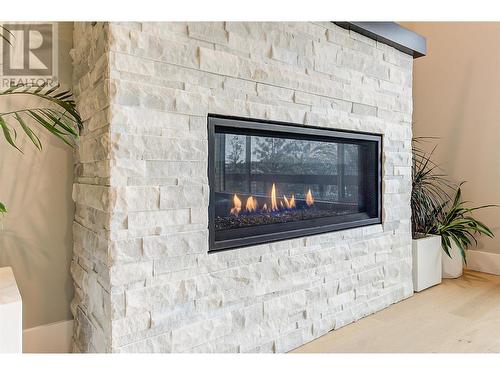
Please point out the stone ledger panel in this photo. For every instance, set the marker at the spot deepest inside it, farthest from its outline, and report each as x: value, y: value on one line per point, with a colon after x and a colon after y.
x: 143, y: 277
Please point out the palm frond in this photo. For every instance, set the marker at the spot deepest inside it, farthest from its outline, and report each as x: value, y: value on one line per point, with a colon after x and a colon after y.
x: 5, y: 34
x: 58, y: 115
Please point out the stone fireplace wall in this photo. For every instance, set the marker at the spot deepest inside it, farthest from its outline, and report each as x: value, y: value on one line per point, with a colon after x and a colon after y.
x: 144, y: 280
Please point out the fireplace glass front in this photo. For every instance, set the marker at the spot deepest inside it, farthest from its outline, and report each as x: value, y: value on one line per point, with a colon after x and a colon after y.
x: 271, y: 181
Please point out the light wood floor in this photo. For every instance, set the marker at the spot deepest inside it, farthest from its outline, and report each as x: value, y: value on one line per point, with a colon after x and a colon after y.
x: 461, y: 315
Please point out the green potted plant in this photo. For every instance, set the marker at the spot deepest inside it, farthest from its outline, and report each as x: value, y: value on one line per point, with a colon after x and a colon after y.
x: 458, y: 229
x: 56, y: 113
x: 430, y: 188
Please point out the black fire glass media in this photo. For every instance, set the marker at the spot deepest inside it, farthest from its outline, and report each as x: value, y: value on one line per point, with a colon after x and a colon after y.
x: 271, y: 181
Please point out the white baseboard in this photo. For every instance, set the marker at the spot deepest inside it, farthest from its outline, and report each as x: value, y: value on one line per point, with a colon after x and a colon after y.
x: 50, y: 338
x: 483, y: 262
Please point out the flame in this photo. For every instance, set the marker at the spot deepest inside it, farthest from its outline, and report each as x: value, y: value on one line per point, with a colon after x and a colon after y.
x: 274, y: 204
x: 309, y: 198
x: 251, y: 204
x: 289, y: 203
x: 237, y: 205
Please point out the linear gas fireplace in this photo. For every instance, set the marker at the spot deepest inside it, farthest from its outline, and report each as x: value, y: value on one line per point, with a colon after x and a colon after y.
x: 270, y: 181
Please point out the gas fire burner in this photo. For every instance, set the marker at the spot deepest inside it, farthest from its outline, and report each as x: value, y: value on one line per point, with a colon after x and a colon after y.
x: 271, y: 181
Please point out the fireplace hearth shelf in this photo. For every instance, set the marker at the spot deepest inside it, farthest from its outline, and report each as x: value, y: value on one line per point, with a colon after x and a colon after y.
x: 272, y: 181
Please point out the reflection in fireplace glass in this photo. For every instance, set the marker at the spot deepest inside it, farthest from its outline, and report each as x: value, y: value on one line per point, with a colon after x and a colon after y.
x: 263, y: 178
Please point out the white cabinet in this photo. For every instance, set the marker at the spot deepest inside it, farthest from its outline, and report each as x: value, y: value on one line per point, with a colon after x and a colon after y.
x: 11, y: 313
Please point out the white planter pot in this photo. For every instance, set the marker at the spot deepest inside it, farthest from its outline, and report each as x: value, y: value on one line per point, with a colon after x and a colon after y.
x: 452, y: 267
x: 427, y: 263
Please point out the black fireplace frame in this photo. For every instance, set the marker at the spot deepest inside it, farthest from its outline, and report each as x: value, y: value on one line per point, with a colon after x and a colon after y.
x: 264, y: 127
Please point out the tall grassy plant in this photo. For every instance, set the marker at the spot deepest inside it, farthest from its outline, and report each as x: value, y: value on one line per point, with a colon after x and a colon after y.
x: 430, y: 188
x: 455, y: 224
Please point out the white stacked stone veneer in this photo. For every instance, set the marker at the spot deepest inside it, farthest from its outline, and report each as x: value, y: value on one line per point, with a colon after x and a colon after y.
x: 143, y: 277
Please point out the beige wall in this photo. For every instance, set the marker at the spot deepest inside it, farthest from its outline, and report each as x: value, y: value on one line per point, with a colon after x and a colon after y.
x: 36, y: 237
x: 456, y: 96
